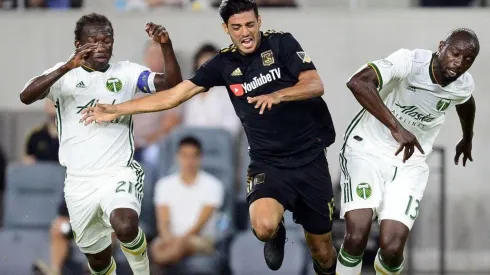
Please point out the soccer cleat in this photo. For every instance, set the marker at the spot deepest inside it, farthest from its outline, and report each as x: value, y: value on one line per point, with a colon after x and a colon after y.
x: 274, y: 248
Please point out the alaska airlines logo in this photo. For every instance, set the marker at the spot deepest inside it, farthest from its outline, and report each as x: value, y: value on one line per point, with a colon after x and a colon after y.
x: 412, y: 115
x: 93, y: 103
x: 258, y: 81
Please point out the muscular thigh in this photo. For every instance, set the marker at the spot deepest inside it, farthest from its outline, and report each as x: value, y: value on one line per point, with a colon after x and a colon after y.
x: 363, y: 177
x: 82, y: 200
x: 402, y: 196
x: 123, y: 190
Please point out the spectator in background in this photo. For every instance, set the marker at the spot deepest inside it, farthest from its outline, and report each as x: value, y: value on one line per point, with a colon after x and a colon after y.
x: 186, y: 4
x: 276, y: 3
x: 446, y: 3
x: 149, y: 128
x: 3, y: 167
x: 51, y: 4
x: 213, y: 108
x: 186, y: 208
x: 42, y: 143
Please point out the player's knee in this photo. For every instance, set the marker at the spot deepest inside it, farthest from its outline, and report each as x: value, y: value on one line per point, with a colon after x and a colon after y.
x: 264, y: 228
x: 391, y: 249
x: 125, y: 224
x: 356, y: 240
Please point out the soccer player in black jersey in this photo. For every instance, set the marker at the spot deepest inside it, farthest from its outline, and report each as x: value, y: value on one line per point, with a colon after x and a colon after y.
x: 276, y: 92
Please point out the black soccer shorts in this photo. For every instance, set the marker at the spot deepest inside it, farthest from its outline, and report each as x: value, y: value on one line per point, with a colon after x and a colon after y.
x: 306, y: 191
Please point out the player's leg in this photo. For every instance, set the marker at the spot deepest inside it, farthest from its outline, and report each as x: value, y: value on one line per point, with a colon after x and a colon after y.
x: 267, y: 198
x: 91, y: 235
x: 361, y: 193
x: 313, y: 210
x: 398, y: 211
x: 101, y: 263
x: 121, y: 205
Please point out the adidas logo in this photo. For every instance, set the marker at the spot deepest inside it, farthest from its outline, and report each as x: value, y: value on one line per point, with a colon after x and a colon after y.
x: 81, y: 85
x: 236, y: 72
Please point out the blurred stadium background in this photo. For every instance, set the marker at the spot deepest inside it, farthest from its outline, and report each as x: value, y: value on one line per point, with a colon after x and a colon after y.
x: 451, y: 235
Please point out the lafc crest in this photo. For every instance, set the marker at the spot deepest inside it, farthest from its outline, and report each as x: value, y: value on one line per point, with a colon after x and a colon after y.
x: 267, y: 58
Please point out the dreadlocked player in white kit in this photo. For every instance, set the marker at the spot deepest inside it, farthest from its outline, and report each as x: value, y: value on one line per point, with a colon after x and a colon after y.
x: 104, y: 185
x: 405, y: 99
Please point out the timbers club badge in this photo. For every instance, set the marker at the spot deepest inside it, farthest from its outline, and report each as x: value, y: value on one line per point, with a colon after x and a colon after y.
x: 443, y: 104
x: 114, y: 85
x: 364, y: 191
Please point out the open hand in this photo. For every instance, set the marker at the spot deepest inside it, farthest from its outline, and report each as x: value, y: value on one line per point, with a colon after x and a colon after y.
x: 157, y: 32
x: 264, y: 101
x: 407, y: 141
x: 78, y: 58
x: 99, y: 114
x: 463, y: 147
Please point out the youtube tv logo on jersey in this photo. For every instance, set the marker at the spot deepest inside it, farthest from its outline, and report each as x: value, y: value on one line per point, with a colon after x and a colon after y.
x: 237, y: 89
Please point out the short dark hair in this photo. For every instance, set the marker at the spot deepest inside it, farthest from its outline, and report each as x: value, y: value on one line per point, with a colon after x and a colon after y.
x: 91, y: 19
x: 469, y: 35
x: 189, y: 140
x: 204, y: 49
x: 228, y: 8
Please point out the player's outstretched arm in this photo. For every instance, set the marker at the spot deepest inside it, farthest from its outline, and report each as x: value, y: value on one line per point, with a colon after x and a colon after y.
x: 363, y: 86
x: 309, y: 86
x: 172, y: 74
x: 466, y: 113
x: 38, y: 87
x: 164, y: 100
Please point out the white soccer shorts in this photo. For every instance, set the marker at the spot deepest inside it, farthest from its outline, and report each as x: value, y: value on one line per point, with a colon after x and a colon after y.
x: 91, y: 198
x: 370, y: 181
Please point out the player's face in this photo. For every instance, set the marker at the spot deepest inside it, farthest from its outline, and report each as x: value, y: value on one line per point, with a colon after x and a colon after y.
x: 456, y: 58
x: 189, y: 158
x: 244, y: 31
x: 102, y: 35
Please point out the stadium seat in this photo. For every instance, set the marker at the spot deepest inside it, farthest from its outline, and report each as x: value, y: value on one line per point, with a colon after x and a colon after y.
x: 247, y: 256
x: 217, y: 145
x: 20, y: 248
x: 33, y: 193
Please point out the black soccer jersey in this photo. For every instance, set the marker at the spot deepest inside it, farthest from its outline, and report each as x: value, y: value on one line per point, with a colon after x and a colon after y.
x: 291, y: 134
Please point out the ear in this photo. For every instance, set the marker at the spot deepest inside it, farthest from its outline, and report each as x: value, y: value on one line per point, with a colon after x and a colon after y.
x: 260, y: 21
x: 225, y: 27
x: 441, y: 46
x: 77, y: 44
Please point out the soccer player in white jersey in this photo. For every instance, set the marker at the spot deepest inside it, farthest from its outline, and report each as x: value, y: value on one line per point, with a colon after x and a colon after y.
x: 104, y: 185
x: 405, y: 98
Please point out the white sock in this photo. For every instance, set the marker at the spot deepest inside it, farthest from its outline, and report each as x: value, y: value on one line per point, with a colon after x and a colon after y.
x: 136, y: 254
x: 382, y: 269
x: 348, y: 264
x: 110, y: 270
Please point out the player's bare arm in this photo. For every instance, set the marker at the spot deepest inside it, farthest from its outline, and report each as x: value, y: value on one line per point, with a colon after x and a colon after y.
x: 466, y: 113
x: 309, y: 86
x: 39, y: 86
x: 363, y: 86
x: 172, y: 74
x: 164, y: 100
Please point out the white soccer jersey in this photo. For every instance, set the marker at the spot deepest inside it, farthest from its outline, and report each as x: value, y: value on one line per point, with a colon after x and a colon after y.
x: 95, y: 146
x: 408, y: 88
